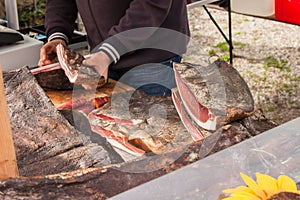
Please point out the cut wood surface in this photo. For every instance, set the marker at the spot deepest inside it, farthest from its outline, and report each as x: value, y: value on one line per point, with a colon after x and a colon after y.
x: 61, y: 96
x: 8, y: 163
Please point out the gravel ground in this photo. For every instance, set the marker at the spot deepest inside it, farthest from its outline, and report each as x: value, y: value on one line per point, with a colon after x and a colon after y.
x: 266, y: 53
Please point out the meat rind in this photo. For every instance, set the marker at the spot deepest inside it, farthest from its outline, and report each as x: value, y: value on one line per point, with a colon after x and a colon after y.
x: 203, y: 116
x: 195, y: 132
x: 218, y: 87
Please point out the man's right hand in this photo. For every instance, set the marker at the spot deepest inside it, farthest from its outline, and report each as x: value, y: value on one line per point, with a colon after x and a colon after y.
x: 48, y: 52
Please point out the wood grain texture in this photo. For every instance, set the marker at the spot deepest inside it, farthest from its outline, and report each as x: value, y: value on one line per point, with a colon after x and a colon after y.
x: 45, y: 142
x: 8, y: 162
x: 61, y: 96
x: 108, y: 181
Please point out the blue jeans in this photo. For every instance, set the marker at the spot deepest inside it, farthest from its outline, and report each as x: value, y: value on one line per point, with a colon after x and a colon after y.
x: 155, y: 79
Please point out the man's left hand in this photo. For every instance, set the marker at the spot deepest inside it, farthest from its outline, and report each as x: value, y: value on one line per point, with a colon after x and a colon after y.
x: 100, y: 61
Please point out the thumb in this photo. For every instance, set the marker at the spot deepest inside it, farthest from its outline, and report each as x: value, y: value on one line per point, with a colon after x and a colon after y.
x: 89, y: 61
x: 86, y: 62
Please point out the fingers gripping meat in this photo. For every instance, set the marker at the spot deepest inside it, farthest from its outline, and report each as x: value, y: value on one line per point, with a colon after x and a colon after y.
x: 71, y: 62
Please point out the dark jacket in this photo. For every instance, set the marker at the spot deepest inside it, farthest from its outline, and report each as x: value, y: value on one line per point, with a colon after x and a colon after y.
x: 129, y: 26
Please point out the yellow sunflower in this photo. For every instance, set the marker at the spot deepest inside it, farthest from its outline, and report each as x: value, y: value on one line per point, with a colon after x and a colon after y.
x: 265, y: 188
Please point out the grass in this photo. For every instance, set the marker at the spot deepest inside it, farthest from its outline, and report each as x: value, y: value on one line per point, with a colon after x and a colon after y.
x: 251, y: 59
x: 212, y: 52
x: 225, y: 57
x: 295, y: 79
x: 282, y: 65
x: 270, y: 108
x: 264, y: 78
x: 222, y: 46
x: 239, y: 44
x: 243, y: 20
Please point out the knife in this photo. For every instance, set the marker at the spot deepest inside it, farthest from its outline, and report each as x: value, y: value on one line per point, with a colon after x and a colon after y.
x: 50, y: 67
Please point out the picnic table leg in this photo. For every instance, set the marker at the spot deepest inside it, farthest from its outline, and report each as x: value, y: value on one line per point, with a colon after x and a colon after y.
x: 8, y: 161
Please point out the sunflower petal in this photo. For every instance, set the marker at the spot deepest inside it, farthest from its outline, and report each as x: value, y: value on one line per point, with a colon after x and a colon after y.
x: 287, y: 184
x: 267, y: 183
x: 252, y: 184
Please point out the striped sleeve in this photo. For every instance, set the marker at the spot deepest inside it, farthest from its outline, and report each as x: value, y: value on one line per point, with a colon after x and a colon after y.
x: 58, y: 35
x: 109, y: 50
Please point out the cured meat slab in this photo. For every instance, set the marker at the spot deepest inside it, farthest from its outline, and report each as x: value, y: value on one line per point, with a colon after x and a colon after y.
x: 160, y: 130
x: 136, y: 124
x: 44, y: 140
x: 55, y: 79
x: 71, y: 62
x: 213, y: 95
x: 41, y: 146
x: 195, y: 131
x: 67, y: 72
x: 105, y: 182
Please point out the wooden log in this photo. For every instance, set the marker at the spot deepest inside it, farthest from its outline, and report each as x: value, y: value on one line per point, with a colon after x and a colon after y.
x: 108, y: 181
x: 45, y: 142
x: 8, y: 162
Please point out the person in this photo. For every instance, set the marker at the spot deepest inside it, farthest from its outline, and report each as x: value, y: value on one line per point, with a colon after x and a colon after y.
x: 136, y: 38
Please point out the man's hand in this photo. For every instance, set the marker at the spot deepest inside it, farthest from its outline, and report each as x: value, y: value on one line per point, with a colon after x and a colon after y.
x: 48, y: 52
x: 100, y: 61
